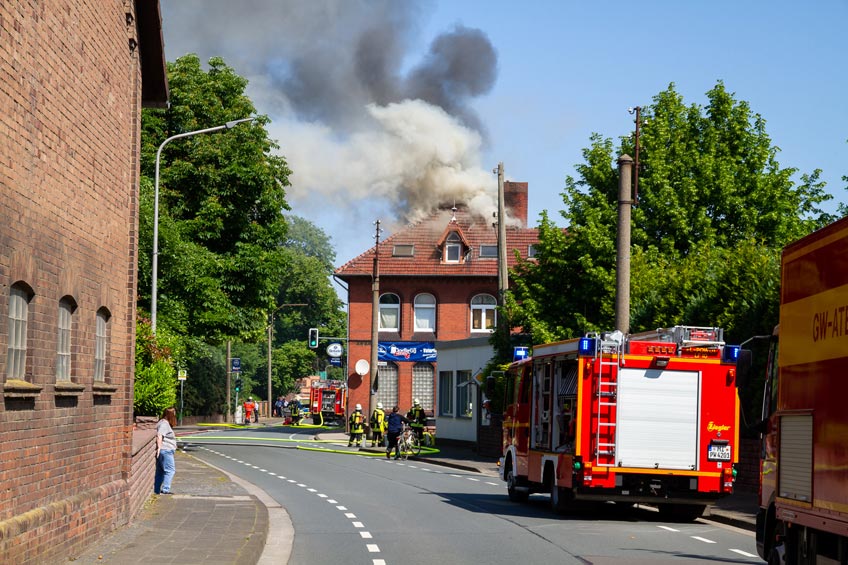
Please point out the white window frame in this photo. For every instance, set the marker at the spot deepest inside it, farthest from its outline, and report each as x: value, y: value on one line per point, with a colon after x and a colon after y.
x: 463, y: 395
x: 101, y: 345
x: 390, y: 308
x: 63, y: 339
x: 488, y: 251
x: 483, y: 310
x: 453, y: 248
x: 424, y: 307
x: 19, y: 298
x: 446, y: 393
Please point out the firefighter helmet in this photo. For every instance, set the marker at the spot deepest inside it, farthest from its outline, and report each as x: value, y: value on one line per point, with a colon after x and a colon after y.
x: 416, y: 402
x: 380, y: 405
x: 359, y: 407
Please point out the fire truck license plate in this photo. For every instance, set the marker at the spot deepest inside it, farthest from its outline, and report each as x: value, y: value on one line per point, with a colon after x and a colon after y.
x: 718, y: 452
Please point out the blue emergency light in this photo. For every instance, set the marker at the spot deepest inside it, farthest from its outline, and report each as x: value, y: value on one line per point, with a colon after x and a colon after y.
x: 586, y: 346
x: 731, y: 353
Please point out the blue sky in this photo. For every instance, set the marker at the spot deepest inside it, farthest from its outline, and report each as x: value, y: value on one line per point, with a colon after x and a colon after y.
x: 564, y: 70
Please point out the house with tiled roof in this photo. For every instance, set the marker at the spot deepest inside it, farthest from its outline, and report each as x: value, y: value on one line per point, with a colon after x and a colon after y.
x: 438, y: 288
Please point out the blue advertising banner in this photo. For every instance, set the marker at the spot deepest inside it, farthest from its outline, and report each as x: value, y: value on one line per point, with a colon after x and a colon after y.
x: 406, y: 351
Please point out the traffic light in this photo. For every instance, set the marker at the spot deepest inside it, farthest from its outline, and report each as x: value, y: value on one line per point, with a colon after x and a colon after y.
x: 238, y: 384
x: 313, y: 338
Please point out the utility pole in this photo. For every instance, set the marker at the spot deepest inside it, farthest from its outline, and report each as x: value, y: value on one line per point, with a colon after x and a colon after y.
x: 638, y: 111
x: 375, y: 315
x: 622, y: 259
x: 503, y: 282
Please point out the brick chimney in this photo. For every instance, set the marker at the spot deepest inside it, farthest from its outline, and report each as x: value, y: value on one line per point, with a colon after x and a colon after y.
x: 515, y: 200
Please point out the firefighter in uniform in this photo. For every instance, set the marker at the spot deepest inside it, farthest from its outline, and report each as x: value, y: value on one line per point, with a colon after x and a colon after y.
x: 357, y: 427
x: 378, y: 425
x: 417, y: 418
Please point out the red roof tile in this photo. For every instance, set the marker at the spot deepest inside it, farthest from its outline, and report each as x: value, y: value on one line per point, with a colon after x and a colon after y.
x: 426, y: 237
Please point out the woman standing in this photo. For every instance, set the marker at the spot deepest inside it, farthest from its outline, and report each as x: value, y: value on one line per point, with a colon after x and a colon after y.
x: 166, y: 444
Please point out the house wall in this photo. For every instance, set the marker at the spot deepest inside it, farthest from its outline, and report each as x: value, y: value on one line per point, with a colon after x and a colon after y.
x: 69, y: 138
x: 471, y: 357
x: 453, y: 322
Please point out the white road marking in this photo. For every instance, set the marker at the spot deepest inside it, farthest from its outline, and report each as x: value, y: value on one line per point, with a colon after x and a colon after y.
x: 331, y: 501
x: 473, y: 479
x: 350, y: 515
x: 358, y: 524
x: 301, y: 485
x: 322, y: 495
x: 292, y: 480
x: 667, y: 528
x: 740, y: 552
x: 341, y: 508
x: 705, y: 540
x: 493, y: 484
x: 365, y: 535
x: 312, y: 489
x: 373, y: 548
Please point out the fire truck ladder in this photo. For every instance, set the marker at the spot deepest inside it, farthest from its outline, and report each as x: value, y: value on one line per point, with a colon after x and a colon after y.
x: 607, y: 356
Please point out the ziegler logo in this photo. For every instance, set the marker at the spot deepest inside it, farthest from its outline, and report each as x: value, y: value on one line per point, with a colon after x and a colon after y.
x: 711, y: 427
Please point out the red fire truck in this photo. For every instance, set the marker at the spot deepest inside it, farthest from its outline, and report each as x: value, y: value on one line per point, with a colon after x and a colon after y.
x: 803, y: 514
x: 643, y: 418
x: 327, y: 400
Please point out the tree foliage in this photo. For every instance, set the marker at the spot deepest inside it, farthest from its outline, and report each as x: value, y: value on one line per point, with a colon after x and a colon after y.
x: 714, y: 208
x: 221, y: 198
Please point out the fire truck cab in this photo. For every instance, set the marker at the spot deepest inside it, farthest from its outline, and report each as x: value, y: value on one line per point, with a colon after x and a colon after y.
x: 642, y: 418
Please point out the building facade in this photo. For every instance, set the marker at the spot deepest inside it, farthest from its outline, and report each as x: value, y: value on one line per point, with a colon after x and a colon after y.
x: 74, y: 75
x: 438, y: 282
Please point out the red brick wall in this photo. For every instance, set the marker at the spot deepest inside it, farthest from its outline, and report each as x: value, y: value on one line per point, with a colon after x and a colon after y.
x: 453, y: 322
x: 69, y: 125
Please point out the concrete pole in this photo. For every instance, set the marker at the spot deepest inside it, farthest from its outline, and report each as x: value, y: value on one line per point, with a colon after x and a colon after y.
x: 270, y: 336
x: 375, y: 317
x: 622, y: 259
x: 503, y: 281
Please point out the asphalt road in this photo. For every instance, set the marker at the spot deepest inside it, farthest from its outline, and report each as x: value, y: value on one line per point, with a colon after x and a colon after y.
x: 363, y: 509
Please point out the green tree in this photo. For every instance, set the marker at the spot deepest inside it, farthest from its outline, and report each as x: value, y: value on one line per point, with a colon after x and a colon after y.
x: 220, y: 208
x: 714, y: 209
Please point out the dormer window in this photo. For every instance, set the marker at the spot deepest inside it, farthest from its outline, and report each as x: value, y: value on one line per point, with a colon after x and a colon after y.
x: 453, y: 248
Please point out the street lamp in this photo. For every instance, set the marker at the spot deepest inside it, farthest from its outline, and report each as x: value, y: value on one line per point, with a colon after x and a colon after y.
x: 270, y: 334
x: 155, y: 277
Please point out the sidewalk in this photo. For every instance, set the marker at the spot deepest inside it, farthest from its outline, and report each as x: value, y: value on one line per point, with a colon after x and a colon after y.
x: 216, y: 518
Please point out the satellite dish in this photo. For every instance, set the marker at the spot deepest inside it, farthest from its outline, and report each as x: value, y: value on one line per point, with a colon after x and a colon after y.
x: 362, y: 367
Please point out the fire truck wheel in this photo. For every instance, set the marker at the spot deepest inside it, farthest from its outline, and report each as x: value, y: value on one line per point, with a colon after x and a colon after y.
x: 681, y: 512
x: 515, y: 494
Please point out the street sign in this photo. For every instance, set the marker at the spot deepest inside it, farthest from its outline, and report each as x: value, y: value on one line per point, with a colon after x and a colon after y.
x: 182, y: 374
x: 519, y: 353
x: 235, y: 364
x: 335, y: 350
x: 335, y: 361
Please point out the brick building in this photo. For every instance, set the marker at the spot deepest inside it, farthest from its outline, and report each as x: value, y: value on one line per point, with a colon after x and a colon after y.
x: 74, y: 75
x: 438, y: 284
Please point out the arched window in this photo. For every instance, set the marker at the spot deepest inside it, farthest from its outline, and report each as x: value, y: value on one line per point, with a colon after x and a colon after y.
x: 19, y: 297
x: 483, y: 313
x: 422, y: 384
x: 425, y: 313
x: 101, y: 345
x: 390, y: 312
x: 67, y: 306
x: 387, y: 386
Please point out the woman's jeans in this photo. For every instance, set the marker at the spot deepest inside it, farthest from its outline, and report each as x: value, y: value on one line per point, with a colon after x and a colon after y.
x: 165, y: 470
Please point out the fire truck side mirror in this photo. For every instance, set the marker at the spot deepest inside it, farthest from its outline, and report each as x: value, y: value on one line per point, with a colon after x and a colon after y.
x: 743, y: 369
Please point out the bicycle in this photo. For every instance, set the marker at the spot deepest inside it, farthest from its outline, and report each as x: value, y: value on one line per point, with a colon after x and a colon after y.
x: 408, y: 443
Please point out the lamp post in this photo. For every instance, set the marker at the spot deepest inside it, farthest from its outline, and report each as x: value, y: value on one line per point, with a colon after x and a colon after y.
x: 270, y: 335
x: 155, y: 276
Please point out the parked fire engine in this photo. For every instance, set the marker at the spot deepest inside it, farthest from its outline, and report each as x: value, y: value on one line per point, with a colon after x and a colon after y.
x: 327, y: 400
x: 803, y: 514
x: 643, y: 418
